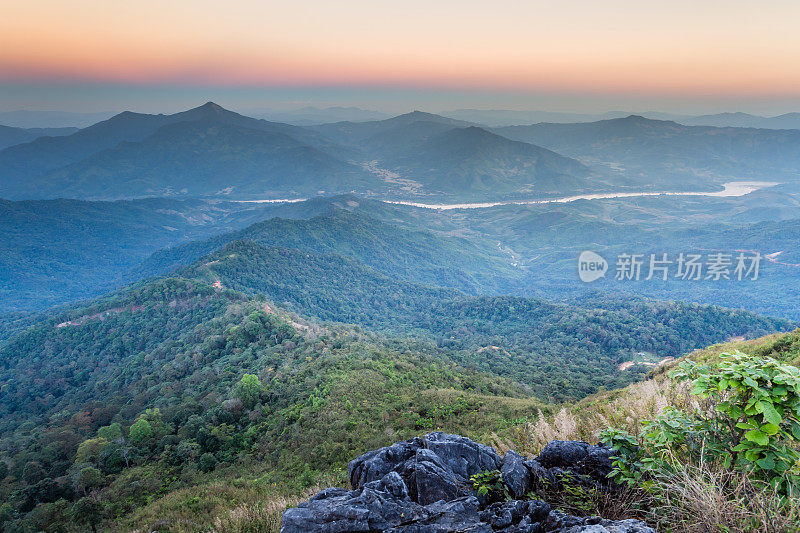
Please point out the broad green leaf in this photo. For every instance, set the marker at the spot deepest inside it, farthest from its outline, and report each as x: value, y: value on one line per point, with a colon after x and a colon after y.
x: 757, y: 436
x: 770, y: 429
x: 771, y: 415
x: 767, y: 463
x: 752, y: 455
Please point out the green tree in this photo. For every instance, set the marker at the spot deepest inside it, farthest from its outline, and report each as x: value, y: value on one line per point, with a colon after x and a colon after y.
x: 89, y: 450
x: 6, y: 514
x: 87, y: 511
x: 141, y: 431
x: 86, y: 479
x: 249, y: 390
x: 32, y: 473
x: 111, y: 432
x: 207, y: 462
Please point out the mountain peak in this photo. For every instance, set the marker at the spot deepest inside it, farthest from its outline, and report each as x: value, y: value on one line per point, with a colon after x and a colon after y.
x: 416, y: 116
x: 207, y: 111
x: 419, y: 113
x: 642, y: 121
x: 211, y: 108
x: 475, y: 133
x: 476, y: 130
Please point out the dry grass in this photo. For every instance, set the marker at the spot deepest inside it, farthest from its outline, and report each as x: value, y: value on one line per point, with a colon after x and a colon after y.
x: 705, y: 498
x: 259, y: 517
x: 233, y: 506
x: 627, y: 408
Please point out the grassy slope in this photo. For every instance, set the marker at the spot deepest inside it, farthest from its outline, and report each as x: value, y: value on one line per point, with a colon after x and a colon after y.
x: 629, y: 406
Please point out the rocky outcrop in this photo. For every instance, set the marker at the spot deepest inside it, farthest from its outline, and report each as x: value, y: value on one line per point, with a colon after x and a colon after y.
x: 579, y: 457
x: 422, y: 486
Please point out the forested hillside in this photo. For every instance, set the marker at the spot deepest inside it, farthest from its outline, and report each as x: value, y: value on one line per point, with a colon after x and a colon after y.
x: 174, y: 378
x: 258, y: 361
x: 416, y: 255
x: 228, y: 367
x: 58, y: 251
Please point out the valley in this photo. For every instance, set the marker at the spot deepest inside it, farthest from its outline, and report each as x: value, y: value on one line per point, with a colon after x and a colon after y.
x: 231, y: 308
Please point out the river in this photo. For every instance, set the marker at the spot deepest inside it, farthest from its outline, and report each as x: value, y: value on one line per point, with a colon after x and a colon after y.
x: 730, y: 189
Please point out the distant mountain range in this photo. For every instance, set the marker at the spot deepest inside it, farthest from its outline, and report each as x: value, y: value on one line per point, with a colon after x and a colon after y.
x: 665, y: 155
x: 9, y: 136
x: 510, y: 117
x: 745, y: 120
x: 309, y: 116
x: 211, y: 152
x: 427, y: 152
x: 51, y: 119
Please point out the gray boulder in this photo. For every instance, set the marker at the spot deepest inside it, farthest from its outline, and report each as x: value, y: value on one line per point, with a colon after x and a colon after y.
x: 392, y: 484
x: 516, y: 474
x: 375, y: 464
x: 337, y: 511
x: 462, y: 455
x: 564, y: 523
x: 458, y: 515
x: 432, y: 480
x: 541, y: 478
x: 516, y: 516
x: 579, y: 457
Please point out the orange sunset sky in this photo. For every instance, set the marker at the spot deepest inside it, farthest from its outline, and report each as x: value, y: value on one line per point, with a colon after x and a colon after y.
x: 643, y: 52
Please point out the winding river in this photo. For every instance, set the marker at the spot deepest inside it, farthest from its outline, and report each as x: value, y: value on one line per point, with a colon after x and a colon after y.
x: 730, y: 189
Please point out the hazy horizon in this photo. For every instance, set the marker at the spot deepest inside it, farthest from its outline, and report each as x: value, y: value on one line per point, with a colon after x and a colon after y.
x: 576, y: 56
x: 112, y: 100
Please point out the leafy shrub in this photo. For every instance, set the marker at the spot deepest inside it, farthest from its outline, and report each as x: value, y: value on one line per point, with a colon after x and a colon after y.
x: 747, y: 421
x: 207, y: 462
x: 111, y: 432
x: 757, y: 403
x: 490, y: 486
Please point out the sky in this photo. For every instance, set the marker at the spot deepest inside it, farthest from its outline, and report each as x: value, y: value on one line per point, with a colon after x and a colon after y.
x: 566, y: 55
